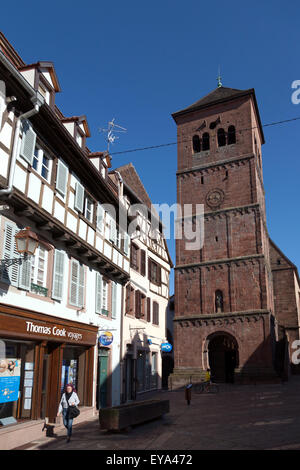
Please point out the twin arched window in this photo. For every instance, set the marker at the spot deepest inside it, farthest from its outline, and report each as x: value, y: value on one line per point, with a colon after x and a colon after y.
x: 200, y: 144
x: 224, y: 138
x: 228, y: 139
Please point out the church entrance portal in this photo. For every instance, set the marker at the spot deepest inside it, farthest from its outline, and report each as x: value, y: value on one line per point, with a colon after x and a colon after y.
x: 223, y: 357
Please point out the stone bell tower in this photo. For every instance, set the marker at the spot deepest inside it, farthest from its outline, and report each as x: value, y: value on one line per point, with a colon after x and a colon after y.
x: 223, y: 291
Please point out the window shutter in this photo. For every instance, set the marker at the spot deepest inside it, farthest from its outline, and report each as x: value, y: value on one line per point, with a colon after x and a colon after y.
x: 155, y: 319
x: 10, y: 274
x: 149, y: 269
x: 81, y: 286
x: 114, y: 300
x: 143, y: 263
x: 128, y: 298
x: 137, y: 304
x: 61, y: 177
x: 28, y: 142
x: 98, y: 292
x: 79, y: 197
x: 148, y: 309
x: 112, y: 230
x: 100, y: 217
x: 58, y: 275
x: 159, y: 275
x: 126, y: 244
x: 25, y: 274
x: 74, y: 282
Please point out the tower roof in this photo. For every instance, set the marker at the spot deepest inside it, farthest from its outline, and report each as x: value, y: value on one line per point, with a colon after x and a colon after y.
x: 220, y: 95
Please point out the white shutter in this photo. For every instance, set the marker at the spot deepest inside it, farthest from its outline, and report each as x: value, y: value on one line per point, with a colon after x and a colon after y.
x: 58, y: 275
x: 74, y: 282
x: 126, y: 243
x: 81, y: 286
x: 112, y: 230
x: 100, y: 217
x: 61, y: 177
x: 25, y: 274
x: 79, y: 197
x: 98, y: 293
x: 114, y: 300
x: 10, y: 274
x: 28, y: 142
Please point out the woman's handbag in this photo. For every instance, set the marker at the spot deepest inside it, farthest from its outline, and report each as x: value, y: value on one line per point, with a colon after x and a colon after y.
x: 73, y: 412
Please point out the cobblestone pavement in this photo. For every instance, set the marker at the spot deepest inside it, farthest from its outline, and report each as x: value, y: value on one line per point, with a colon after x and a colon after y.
x: 238, y: 417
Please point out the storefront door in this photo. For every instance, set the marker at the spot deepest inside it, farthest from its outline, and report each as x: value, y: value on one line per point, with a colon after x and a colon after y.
x: 102, y: 378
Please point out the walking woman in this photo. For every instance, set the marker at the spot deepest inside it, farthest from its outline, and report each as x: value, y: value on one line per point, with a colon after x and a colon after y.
x: 69, y: 398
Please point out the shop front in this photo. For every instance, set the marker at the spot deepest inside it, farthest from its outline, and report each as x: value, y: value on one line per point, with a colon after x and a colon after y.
x: 39, y: 354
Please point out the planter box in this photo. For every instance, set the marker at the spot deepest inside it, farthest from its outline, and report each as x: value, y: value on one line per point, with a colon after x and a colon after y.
x: 123, y: 416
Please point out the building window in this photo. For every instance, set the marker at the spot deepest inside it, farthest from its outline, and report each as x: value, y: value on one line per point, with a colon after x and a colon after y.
x: 231, y: 135
x: 88, y: 209
x: 205, y: 141
x: 219, y: 304
x: 155, y: 313
x: 196, y: 144
x: 39, y: 265
x: 41, y: 163
x: 221, y: 138
x: 134, y: 257
x: 154, y: 272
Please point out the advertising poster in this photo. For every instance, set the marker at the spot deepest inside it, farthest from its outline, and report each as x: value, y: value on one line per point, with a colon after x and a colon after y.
x: 10, y: 371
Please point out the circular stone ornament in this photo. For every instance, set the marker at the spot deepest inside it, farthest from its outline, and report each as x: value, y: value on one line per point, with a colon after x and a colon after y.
x: 214, y: 198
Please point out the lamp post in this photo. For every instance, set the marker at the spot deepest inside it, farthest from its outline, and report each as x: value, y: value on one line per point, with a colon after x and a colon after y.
x: 26, y: 244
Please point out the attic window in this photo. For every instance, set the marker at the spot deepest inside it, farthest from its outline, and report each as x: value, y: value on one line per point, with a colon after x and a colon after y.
x: 278, y: 261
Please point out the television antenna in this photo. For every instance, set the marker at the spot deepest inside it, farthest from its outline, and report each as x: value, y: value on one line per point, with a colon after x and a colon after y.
x: 111, y: 131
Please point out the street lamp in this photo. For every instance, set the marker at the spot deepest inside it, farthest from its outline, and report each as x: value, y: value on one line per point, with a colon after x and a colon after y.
x: 26, y: 243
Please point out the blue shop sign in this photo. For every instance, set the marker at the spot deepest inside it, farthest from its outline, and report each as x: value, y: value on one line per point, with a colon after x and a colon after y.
x: 106, y: 338
x: 166, y: 347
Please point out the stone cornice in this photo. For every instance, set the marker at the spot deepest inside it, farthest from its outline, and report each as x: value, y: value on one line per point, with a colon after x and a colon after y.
x: 221, y: 163
x: 240, y: 259
x: 221, y: 318
x: 220, y: 212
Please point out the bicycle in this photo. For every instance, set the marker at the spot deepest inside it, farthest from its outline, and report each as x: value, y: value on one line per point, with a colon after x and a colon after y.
x: 206, y: 387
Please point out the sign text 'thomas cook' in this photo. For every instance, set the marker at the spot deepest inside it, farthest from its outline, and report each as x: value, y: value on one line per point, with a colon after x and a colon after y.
x: 53, y: 330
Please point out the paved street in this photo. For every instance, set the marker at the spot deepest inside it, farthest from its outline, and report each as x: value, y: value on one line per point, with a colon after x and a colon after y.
x: 238, y: 417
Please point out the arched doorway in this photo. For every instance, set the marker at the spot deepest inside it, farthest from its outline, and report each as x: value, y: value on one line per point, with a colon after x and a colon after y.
x: 222, y: 357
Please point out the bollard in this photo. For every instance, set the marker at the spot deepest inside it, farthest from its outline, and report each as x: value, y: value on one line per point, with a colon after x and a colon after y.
x: 188, y: 393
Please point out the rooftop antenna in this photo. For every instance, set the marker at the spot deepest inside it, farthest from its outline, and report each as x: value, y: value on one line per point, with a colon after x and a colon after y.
x: 219, y: 78
x: 110, y: 132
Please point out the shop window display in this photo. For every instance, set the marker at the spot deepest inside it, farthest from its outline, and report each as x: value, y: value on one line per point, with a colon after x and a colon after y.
x: 16, y: 380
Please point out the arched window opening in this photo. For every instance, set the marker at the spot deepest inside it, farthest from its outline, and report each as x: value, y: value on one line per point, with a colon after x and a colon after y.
x: 219, y: 304
x: 205, y: 141
x: 196, y: 144
x: 231, y: 135
x: 221, y: 138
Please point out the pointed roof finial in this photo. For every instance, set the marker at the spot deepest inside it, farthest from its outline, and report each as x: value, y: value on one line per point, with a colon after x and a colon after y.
x: 219, y: 79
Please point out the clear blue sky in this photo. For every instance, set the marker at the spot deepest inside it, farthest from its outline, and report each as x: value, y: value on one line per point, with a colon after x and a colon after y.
x: 140, y: 61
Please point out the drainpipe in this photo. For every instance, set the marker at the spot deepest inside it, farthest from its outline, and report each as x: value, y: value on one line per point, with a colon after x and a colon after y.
x: 37, y: 103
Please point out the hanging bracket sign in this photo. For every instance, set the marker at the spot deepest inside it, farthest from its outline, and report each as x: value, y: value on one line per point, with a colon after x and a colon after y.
x: 106, y: 338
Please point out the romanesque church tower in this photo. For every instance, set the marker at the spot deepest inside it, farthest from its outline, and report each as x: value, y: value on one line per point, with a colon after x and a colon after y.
x: 224, y: 307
